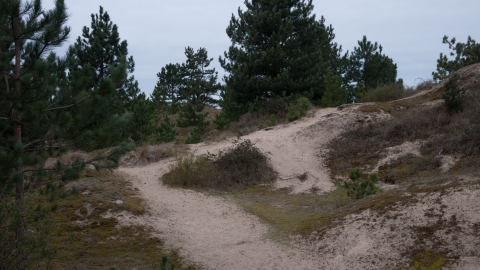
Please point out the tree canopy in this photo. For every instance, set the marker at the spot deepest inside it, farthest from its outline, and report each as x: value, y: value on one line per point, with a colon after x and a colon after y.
x: 368, y: 67
x: 465, y: 54
x: 278, y: 48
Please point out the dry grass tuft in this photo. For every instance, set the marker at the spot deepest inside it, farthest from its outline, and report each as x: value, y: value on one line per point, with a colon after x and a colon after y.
x: 147, y: 154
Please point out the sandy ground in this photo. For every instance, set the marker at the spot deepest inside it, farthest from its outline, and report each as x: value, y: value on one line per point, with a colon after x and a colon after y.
x: 216, y: 234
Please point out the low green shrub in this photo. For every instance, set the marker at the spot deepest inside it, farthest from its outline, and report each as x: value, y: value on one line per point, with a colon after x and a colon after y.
x: 384, y: 93
x: 166, y: 131
x: 194, y: 137
x: 272, y: 121
x: 360, y: 189
x: 189, y: 171
x: 453, y: 95
x: 298, y: 109
x: 221, y: 121
x: 240, y: 166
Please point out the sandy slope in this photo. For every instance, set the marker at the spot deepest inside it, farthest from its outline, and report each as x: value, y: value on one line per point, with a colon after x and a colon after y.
x: 217, y: 234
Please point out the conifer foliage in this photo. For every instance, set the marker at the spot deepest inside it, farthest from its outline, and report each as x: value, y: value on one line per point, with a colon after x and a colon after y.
x: 187, y: 88
x: 278, y: 49
x: 39, y: 109
x: 465, y: 54
x: 97, y: 57
x: 369, y: 68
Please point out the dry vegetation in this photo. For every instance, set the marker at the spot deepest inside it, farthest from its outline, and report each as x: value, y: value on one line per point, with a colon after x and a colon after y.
x: 441, y: 133
x: 147, y: 154
x: 240, y: 166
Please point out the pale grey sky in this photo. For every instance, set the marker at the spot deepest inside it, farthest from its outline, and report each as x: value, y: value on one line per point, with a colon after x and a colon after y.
x: 157, y: 32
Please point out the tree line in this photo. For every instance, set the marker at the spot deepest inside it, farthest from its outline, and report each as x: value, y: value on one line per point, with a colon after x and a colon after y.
x: 89, y: 98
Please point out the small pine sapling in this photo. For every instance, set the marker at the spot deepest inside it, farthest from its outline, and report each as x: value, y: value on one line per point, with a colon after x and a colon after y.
x: 360, y: 189
x: 453, y: 95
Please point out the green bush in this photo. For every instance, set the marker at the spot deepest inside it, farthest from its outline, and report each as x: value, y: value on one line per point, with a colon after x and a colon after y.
x: 384, y: 93
x: 272, y: 121
x: 360, y: 189
x: 189, y: 171
x: 453, y: 95
x: 166, y: 131
x: 298, y: 109
x: 240, y: 166
x: 221, y: 121
x: 194, y: 137
x: 335, y: 95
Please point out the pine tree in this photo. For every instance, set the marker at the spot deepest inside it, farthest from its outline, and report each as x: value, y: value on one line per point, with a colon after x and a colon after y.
x: 142, y: 112
x: 335, y: 94
x: 368, y: 66
x: 165, y: 95
x: 191, y: 86
x: 278, y: 49
x: 92, y: 60
x: 101, y: 48
x: 27, y: 33
x: 38, y: 106
x: 465, y: 54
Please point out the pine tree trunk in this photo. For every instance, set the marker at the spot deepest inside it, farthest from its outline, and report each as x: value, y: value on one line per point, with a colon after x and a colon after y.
x: 17, y: 133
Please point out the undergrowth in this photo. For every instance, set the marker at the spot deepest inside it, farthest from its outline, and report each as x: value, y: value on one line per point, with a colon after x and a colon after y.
x: 82, y: 230
x: 442, y: 133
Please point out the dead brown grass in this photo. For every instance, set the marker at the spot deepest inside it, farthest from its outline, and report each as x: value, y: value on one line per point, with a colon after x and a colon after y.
x: 147, y: 154
x: 444, y: 133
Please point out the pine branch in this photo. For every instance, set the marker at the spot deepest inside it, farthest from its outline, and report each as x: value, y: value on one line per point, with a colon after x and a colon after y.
x: 68, y: 106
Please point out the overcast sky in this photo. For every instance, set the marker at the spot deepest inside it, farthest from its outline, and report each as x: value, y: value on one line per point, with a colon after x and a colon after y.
x: 157, y: 32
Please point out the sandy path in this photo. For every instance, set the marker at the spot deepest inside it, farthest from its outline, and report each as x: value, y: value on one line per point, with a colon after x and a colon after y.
x: 207, y: 230
x: 297, y: 148
x: 216, y: 233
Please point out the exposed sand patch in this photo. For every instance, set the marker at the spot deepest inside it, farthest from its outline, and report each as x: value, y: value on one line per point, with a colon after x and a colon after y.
x: 371, y: 240
x: 395, y: 152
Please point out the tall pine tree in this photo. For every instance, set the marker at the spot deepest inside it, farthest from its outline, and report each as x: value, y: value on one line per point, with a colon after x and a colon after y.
x: 38, y: 110
x: 101, y: 48
x: 278, y: 48
x: 92, y: 59
x: 165, y: 95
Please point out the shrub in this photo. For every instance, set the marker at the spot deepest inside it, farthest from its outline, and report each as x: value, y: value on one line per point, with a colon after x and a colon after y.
x: 359, y: 189
x: 189, y: 171
x: 272, y: 121
x: 221, y: 121
x: 298, y: 109
x: 335, y: 95
x: 384, y: 93
x: 240, y: 166
x: 453, y: 95
x: 166, y: 131
x: 194, y: 137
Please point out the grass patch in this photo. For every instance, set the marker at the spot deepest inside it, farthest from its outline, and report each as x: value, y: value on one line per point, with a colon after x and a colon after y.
x: 388, y: 92
x: 81, y: 236
x: 293, y: 213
